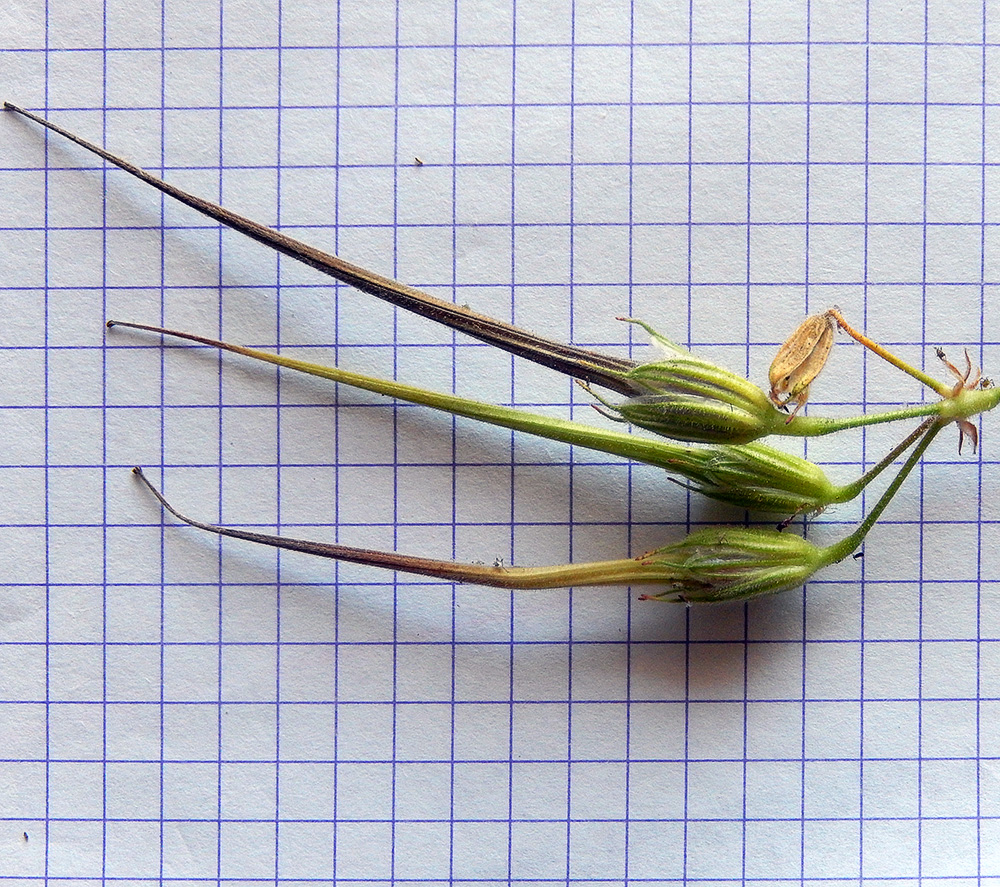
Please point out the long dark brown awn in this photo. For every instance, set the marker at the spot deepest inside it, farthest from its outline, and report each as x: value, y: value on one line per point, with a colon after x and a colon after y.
x: 580, y: 363
x: 622, y: 571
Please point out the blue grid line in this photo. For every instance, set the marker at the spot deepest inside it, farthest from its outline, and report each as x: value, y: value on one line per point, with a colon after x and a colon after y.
x: 920, y: 480
x: 514, y: 101
x: 219, y: 480
x: 265, y: 48
x: 104, y: 558
x: 394, y: 797
x: 979, y: 478
x: 630, y: 482
x: 520, y: 164
x: 48, y: 564
x: 572, y: 277
x: 862, y: 665
x: 278, y: 457
x: 163, y: 783
x: 336, y: 435
x: 666, y: 103
x: 453, y: 663
x: 689, y: 273
x: 749, y: 248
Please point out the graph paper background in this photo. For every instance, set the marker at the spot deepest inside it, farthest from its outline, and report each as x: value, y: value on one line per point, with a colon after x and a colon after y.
x: 175, y: 709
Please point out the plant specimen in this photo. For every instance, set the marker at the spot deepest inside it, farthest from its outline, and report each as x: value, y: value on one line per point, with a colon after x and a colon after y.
x: 680, y: 397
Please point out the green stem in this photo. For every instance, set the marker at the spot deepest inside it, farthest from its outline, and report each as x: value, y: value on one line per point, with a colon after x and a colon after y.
x: 964, y: 405
x: 624, y: 571
x: 849, y: 491
x: 839, y: 550
x: 873, y: 346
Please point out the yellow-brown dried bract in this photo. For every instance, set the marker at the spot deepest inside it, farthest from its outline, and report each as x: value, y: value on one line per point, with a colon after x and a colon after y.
x: 800, y: 360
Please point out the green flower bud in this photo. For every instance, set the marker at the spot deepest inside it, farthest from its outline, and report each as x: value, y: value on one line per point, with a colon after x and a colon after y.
x: 733, y: 563
x: 693, y: 399
x: 698, y: 419
x: 761, y: 478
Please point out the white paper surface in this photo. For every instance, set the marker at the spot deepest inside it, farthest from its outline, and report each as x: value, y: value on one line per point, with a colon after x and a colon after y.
x: 175, y: 709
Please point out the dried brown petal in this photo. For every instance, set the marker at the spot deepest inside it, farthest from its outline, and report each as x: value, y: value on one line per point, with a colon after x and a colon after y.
x: 800, y: 360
